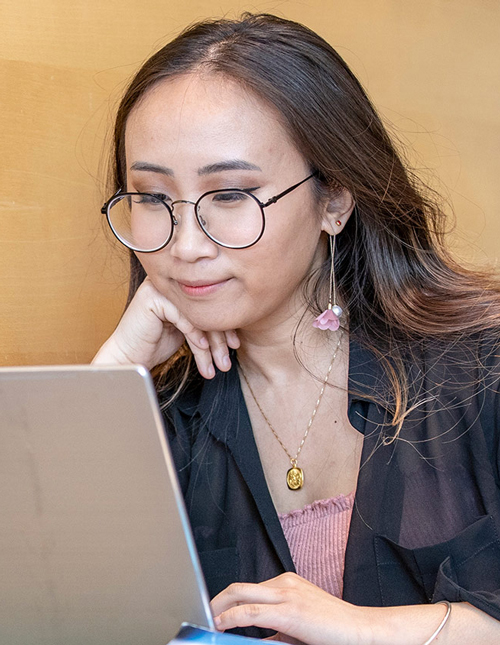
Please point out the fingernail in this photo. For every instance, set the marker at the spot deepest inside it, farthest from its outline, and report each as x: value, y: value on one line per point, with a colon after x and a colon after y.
x: 211, y: 371
x: 217, y: 621
x: 203, y: 341
x: 226, y: 361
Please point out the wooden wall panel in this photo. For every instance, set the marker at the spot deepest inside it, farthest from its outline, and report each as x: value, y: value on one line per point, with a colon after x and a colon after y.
x: 433, y: 67
x: 60, y: 283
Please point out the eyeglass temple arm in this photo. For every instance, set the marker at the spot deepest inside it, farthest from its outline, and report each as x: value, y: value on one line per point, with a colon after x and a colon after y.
x: 104, y: 208
x: 274, y: 199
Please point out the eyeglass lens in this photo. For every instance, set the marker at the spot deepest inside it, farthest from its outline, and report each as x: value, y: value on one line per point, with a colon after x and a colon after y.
x: 230, y: 217
x: 141, y: 222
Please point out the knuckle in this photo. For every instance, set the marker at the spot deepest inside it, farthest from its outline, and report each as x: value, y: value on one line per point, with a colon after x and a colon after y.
x: 284, y: 594
x: 217, y: 340
x: 185, y: 326
x: 253, y: 610
x: 236, y: 588
x: 289, y: 579
x: 146, y: 287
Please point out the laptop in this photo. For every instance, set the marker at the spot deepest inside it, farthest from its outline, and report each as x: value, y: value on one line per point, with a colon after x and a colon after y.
x: 95, y: 542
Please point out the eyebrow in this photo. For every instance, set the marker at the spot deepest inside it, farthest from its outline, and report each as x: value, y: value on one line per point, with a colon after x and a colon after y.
x: 232, y: 164
x: 152, y: 167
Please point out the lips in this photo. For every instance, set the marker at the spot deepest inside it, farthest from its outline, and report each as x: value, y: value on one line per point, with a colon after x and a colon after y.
x: 201, y: 287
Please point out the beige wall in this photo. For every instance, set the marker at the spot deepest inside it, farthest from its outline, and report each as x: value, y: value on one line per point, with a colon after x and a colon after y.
x: 432, y: 66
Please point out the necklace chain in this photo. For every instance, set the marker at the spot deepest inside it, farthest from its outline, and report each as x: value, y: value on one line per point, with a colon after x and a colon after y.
x: 293, y: 460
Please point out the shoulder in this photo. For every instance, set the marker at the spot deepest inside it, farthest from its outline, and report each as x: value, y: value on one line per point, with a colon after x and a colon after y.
x: 469, y: 361
x: 450, y: 383
x: 463, y: 378
x: 450, y: 368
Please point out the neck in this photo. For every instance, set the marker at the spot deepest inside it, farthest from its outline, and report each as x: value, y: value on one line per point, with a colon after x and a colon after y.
x: 286, y: 351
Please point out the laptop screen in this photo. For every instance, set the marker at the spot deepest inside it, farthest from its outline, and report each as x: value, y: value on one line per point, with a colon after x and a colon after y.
x: 95, y: 544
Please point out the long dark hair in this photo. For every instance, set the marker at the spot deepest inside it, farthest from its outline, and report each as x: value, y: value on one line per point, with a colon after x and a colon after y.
x: 394, y: 277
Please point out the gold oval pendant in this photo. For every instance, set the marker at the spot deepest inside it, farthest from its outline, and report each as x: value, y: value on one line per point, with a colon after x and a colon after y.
x: 295, y: 478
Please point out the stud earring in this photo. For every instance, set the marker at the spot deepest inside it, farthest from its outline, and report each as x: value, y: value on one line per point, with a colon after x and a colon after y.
x: 338, y: 222
x: 329, y: 319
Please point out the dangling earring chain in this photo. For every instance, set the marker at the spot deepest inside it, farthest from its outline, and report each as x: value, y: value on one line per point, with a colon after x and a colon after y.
x: 295, y: 475
x: 329, y: 319
x: 332, y: 298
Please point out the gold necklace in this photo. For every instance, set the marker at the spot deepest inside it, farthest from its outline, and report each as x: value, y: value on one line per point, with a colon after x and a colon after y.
x: 295, y: 475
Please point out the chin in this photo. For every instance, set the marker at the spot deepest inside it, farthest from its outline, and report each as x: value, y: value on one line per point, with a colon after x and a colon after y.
x: 212, y: 322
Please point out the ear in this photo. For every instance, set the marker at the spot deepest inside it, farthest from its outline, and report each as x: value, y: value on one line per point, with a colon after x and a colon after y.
x: 337, y: 211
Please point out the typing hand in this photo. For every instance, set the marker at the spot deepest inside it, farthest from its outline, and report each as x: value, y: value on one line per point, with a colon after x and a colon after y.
x: 299, y: 611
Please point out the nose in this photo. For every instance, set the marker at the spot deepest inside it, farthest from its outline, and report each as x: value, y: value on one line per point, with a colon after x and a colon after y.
x: 189, y: 242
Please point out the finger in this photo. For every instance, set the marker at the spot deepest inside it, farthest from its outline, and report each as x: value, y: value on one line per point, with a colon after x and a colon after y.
x: 196, y: 338
x: 254, y: 614
x: 203, y: 359
x: 232, y: 339
x: 245, y: 593
x: 206, y: 348
x: 219, y: 349
x: 200, y: 348
x: 288, y: 579
x: 283, y: 638
x: 167, y: 312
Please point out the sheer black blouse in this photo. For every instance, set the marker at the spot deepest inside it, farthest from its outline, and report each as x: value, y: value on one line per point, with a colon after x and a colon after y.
x: 426, y: 520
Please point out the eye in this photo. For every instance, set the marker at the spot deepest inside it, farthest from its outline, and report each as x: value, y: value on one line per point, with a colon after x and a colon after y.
x: 231, y: 197
x: 153, y: 199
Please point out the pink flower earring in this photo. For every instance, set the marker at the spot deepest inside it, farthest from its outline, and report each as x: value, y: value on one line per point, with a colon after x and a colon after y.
x: 329, y: 319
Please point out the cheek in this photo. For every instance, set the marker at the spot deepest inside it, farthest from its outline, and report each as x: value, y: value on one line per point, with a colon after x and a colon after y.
x: 151, y: 234
x: 294, y: 247
x: 279, y: 272
x: 153, y: 264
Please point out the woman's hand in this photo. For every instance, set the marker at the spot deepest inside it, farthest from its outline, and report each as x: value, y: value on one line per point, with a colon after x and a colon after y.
x: 302, y: 613
x: 152, y: 329
x: 299, y: 611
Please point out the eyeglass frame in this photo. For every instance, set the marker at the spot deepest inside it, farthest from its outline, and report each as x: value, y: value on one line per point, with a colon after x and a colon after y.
x: 107, y: 206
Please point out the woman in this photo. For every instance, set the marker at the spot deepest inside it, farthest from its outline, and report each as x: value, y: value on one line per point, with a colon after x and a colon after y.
x: 257, y: 188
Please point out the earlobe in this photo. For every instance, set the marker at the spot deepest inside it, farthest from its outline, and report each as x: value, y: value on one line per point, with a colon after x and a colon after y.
x: 338, y: 209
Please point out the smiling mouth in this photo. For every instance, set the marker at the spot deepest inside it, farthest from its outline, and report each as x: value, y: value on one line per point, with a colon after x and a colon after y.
x: 201, y: 288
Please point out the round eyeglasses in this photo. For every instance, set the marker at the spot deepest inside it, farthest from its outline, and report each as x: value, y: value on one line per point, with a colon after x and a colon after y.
x: 232, y: 217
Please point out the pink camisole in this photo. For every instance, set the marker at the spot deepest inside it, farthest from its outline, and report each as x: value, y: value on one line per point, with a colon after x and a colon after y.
x: 317, y: 538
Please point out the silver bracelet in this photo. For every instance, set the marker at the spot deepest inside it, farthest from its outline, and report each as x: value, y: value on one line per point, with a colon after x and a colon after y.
x: 442, y: 623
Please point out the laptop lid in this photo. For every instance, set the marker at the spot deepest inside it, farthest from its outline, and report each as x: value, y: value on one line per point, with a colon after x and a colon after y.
x: 95, y: 543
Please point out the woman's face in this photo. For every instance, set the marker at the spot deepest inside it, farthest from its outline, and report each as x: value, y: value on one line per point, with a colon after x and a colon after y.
x: 198, y: 133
